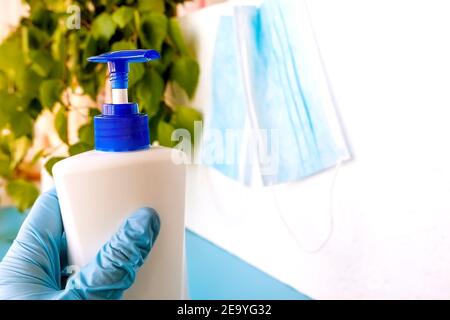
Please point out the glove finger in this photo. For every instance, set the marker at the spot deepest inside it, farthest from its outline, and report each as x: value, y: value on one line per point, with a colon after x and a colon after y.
x: 36, y: 251
x: 44, y: 219
x: 64, y: 258
x: 114, y: 269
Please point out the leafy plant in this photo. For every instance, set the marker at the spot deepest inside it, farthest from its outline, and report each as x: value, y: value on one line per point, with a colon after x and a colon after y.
x: 43, y: 62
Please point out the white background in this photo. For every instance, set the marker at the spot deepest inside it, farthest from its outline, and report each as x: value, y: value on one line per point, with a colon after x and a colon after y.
x: 388, y: 63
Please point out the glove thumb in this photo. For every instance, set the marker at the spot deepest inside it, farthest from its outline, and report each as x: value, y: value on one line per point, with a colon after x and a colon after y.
x: 114, y: 268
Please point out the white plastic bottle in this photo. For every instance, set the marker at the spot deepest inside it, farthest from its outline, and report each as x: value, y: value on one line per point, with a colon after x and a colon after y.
x: 98, y: 189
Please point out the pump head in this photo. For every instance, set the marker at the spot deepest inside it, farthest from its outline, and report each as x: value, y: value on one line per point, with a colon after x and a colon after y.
x: 118, y: 65
x: 121, y: 127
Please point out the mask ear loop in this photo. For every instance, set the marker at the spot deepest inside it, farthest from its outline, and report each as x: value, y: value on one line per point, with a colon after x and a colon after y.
x: 293, y: 234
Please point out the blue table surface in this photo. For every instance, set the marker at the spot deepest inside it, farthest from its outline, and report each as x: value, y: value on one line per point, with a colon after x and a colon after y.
x: 213, y: 273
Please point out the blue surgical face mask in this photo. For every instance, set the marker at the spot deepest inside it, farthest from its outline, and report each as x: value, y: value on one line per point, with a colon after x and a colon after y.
x: 223, y: 146
x: 278, y: 88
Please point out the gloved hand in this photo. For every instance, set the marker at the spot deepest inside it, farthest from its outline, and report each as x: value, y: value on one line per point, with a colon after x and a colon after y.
x: 33, y: 267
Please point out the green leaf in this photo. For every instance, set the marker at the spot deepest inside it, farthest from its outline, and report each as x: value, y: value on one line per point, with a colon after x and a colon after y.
x: 34, y: 108
x: 185, y: 71
x: 5, y: 165
x: 52, y: 5
x: 4, y: 117
x: 50, y: 92
x: 37, y: 38
x: 149, y: 92
x: 25, y: 44
x: 153, y: 30
x: 176, y: 36
x: 23, y: 193
x: 45, y: 20
x: 151, y: 5
x: 38, y: 155
x: 86, y: 133
x: 79, y: 147
x: 61, y: 124
x: 167, y: 57
x: 165, y: 134
x: 11, y: 51
x: 5, y: 143
x: 58, y: 70
x: 19, y: 149
x: 90, y: 49
x: 92, y: 78
x: 94, y: 112
x: 103, y: 27
x: 137, y: 71
x: 73, y: 52
x: 90, y: 87
x: 12, y: 61
x: 12, y: 115
x: 28, y: 82
x: 8, y: 107
x: 59, y: 45
x: 21, y: 124
x: 122, y: 16
x: 42, y: 62
x: 51, y: 162
x: 3, y: 81
x: 184, y: 117
x: 123, y: 45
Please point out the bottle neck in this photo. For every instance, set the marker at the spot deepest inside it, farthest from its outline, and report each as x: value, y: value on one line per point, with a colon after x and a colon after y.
x: 119, y: 96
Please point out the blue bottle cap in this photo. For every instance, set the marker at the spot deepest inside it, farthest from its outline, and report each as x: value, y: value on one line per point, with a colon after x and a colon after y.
x: 121, y: 127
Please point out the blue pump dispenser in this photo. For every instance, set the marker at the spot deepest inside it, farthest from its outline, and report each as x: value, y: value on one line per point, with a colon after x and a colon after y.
x: 121, y: 127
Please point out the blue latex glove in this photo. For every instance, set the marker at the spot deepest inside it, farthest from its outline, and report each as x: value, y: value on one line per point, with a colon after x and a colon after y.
x: 33, y: 267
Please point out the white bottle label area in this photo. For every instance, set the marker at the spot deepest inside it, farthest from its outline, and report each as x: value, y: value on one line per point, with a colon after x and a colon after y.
x: 99, y: 190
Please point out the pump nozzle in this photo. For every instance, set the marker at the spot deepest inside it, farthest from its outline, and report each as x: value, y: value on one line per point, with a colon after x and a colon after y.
x: 121, y: 127
x: 118, y: 65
